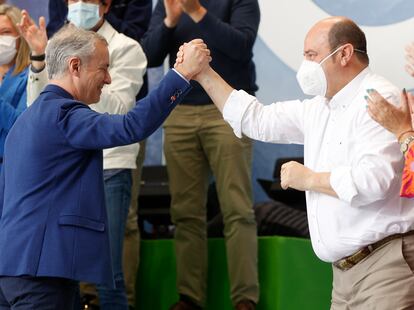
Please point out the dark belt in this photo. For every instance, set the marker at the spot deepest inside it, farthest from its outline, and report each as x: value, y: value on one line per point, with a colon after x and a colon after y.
x: 1, y: 160
x: 351, y: 260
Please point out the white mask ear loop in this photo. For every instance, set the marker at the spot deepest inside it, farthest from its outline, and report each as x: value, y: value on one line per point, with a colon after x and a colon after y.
x: 323, y: 60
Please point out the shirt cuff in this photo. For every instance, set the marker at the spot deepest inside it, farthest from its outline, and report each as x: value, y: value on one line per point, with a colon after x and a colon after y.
x: 235, y: 108
x: 181, y: 76
x: 342, y: 183
x: 34, y: 70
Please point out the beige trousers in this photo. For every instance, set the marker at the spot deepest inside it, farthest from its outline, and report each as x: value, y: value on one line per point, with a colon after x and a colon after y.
x: 198, y: 140
x: 382, y: 281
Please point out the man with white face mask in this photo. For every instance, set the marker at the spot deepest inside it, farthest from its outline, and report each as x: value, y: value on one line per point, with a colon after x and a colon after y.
x: 127, y: 67
x: 352, y: 171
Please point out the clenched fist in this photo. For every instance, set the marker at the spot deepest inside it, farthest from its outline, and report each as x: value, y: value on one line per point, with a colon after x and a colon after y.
x: 295, y: 175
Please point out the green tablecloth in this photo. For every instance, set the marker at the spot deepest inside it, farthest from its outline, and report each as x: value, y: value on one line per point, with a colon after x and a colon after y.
x: 291, y: 276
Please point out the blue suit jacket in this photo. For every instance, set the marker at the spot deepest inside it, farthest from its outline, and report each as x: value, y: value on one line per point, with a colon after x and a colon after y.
x: 52, y: 209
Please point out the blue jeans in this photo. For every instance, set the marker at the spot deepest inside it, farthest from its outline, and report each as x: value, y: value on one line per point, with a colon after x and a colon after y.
x: 118, y: 197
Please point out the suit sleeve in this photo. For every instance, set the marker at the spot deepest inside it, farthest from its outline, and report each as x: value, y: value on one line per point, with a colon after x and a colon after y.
x: 84, y: 128
x: 1, y: 190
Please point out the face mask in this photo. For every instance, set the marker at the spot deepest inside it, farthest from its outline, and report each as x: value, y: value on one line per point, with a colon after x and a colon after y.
x: 84, y: 15
x: 7, y: 49
x: 311, y: 76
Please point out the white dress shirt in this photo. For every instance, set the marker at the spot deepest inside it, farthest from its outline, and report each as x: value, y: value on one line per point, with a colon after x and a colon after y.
x: 127, y: 67
x: 338, y: 137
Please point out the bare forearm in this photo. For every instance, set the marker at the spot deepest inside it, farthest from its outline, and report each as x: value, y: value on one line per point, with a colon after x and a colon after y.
x: 320, y: 182
x: 217, y: 88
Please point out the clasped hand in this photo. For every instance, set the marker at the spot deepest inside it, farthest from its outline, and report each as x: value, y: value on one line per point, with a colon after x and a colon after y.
x: 192, y: 58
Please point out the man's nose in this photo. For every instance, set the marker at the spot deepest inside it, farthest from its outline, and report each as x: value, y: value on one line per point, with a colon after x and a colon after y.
x: 108, y: 79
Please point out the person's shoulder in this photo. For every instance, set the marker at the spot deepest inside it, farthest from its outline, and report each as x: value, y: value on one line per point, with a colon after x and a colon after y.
x: 380, y: 83
x: 116, y: 39
x: 121, y: 46
x: 53, y: 97
x: 24, y: 73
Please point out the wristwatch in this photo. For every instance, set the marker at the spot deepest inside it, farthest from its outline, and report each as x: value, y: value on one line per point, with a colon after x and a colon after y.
x: 405, y: 143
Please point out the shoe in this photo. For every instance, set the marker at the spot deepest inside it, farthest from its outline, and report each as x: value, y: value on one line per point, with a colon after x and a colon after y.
x: 87, y: 302
x: 184, y: 305
x: 246, y: 305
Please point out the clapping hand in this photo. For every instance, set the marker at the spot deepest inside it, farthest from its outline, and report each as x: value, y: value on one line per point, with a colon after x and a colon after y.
x: 34, y: 35
x: 173, y: 12
x: 175, y: 8
x: 395, y: 119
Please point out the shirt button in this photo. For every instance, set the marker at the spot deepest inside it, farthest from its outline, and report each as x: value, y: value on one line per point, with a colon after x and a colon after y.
x: 394, y: 229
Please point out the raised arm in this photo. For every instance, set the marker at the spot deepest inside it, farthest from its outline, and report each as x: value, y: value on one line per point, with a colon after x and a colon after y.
x: 236, y: 36
x: 214, y: 85
x: 84, y: 128
x: 36, y: 37
x: 157, y: 40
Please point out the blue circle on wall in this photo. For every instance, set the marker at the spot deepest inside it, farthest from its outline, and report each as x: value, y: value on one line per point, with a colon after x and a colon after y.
x: 369, y: 12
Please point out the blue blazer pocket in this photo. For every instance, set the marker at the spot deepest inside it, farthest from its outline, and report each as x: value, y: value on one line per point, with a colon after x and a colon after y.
x: 80, y: 221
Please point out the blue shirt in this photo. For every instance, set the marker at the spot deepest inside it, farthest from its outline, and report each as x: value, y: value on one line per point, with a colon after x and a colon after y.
x: 12, y: 102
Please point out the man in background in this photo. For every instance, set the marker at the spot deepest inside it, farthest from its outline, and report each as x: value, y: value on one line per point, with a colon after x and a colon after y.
x: 197, y: 140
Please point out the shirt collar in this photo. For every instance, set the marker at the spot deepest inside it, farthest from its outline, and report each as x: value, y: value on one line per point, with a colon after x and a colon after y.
x: 52, y: 88
x: 106, y: 30
x: 345, y: 96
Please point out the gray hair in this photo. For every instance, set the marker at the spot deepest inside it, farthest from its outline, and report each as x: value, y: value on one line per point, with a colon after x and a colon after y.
x: 68, y: 42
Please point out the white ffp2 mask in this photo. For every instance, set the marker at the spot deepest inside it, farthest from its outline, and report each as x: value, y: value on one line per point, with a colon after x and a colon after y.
x: 7, y: 49
x: 311, y: 77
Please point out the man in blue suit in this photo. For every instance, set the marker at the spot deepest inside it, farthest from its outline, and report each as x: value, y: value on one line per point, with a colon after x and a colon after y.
x: 53, y: 223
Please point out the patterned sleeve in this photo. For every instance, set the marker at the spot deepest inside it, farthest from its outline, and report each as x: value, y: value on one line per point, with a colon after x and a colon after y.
x: 407, y: 184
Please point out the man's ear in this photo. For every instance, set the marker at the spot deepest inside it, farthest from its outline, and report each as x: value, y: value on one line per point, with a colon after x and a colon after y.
x: 106, y: 6
x: 346, y: 54
x: 74, y: 66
